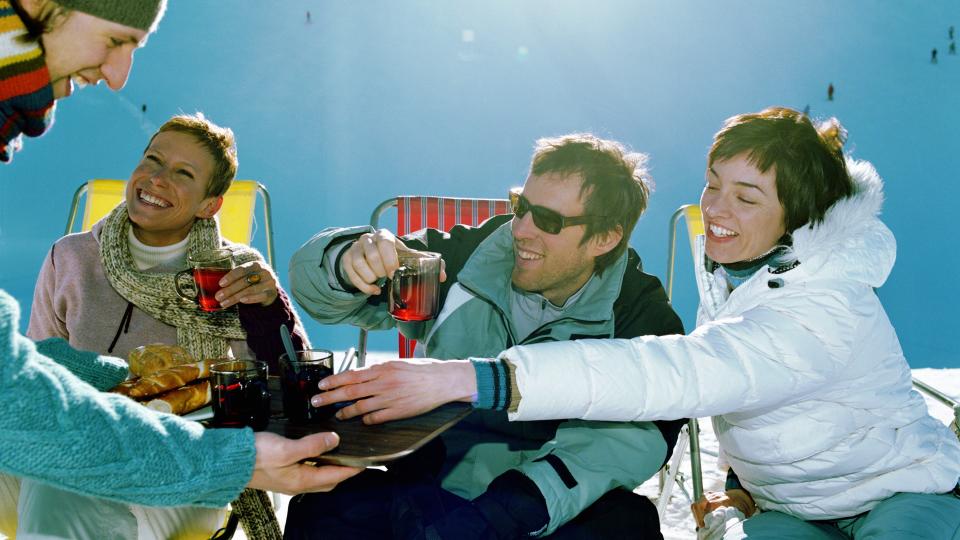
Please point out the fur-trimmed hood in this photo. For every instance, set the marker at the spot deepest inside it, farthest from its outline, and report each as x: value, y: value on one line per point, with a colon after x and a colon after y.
x: 851, y: 242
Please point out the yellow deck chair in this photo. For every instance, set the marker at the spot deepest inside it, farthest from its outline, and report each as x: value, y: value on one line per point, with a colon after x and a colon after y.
x: 236, y: 216
x: 693, y: 219
x: 253, y: 509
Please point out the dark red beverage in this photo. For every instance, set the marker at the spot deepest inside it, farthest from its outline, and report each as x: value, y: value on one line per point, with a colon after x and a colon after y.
x: 208, y: 284
x: 240, y: 398
x: 299, y: 381
x: 414, y: 296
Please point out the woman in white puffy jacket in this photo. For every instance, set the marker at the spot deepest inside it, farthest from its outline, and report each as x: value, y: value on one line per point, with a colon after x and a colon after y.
x: 793, y: 357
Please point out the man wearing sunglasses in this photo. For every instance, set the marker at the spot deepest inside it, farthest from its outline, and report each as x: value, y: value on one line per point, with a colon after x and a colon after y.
x: 557, y: 269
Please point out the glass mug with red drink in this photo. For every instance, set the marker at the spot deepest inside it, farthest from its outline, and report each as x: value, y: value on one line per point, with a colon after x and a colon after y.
x: 206, y: 268
x: 414, y: 289
x: 240, y: 395
x: 299, y: 377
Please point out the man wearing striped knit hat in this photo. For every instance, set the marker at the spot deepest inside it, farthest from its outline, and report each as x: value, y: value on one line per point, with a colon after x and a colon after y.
x: 48, y: 47
x: 56, y: 428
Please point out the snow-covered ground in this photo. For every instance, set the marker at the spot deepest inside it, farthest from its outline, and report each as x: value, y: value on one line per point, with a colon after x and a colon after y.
x: 677, y: 523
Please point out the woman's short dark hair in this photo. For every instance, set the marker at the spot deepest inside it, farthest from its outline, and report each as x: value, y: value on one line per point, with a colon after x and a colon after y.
x: 810, y: 169
x: 615, y: 183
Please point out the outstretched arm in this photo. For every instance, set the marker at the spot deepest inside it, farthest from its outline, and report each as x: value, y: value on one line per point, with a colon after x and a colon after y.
x: 60, y: 430
x: 398, y: 389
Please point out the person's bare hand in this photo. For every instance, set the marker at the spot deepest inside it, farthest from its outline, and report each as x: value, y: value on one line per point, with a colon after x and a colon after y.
x: 373, y: 257
x: 277, y: 466
x: 711, y: 500
x: 398, y: 389
x: 249, y: 283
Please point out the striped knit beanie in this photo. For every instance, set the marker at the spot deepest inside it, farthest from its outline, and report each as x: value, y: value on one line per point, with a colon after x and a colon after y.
x: 142, y: 14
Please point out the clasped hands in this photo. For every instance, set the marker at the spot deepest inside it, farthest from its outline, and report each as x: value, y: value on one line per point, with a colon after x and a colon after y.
x: 712, y: 500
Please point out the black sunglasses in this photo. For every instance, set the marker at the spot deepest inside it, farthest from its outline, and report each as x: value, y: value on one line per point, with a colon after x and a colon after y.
x: 547, y: 220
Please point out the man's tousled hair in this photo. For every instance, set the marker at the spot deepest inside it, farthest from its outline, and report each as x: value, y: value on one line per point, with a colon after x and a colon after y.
x: 615, y: 185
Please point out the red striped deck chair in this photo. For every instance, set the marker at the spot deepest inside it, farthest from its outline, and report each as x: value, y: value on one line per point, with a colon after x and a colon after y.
x: 415, y: 213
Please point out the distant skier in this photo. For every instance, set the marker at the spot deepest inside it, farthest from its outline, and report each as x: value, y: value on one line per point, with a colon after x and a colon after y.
x: 933, y: 56
x: 830, y: 92
x: 950, y: 32
x: 143, y: 108
x: 953, y: 48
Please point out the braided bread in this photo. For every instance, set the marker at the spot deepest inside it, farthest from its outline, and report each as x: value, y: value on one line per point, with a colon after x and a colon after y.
x: 182, y: 400
x: 147, y: 359
x: 168, y: 379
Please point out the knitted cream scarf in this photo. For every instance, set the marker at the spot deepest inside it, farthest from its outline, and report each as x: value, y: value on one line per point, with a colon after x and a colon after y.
x: 204, y: 335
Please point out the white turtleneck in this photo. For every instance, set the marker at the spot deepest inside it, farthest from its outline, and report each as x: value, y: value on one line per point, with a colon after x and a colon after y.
x: 146, y: 257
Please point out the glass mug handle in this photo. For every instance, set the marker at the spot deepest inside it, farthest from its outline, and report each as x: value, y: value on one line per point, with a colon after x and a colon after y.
x: 176, y: 284
x: 395, y: 288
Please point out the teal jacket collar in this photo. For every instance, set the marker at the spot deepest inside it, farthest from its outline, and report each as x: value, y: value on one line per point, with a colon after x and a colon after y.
x: 487, y: 274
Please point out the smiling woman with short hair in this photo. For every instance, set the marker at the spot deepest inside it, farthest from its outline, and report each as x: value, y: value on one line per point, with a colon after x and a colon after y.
x: 111, y: 290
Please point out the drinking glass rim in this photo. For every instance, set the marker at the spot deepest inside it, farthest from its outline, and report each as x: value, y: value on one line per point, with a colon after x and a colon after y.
x: 249, y: 366
x: 210, y: 255
x: 327, y: 357
x: 429, y: 255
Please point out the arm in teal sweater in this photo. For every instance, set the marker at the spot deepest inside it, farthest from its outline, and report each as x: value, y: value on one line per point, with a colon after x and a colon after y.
x: 100, y: 371
x: 58, y: 429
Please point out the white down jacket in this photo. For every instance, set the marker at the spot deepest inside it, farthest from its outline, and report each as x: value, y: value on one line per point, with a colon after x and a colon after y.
x: 802, y: 371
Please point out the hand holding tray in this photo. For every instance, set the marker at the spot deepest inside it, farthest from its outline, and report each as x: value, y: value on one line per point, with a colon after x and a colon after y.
x: 364, y: 446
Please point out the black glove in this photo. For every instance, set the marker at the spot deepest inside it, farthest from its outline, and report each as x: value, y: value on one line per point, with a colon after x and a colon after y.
x: 512, y: 507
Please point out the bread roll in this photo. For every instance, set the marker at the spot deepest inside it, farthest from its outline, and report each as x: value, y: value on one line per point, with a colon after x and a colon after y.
x: 164, y: 380
x: 183, y: 400
x: 148, y: 359
x: 124, y: 388
x: 168, y: 379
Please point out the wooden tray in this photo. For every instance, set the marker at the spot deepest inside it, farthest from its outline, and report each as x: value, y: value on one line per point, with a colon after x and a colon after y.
x: 364, y: 446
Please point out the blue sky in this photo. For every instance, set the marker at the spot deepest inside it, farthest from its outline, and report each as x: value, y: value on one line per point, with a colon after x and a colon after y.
x: 377, y: 98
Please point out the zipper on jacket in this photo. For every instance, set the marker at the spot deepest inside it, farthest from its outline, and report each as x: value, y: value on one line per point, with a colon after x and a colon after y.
x: 544, y: 326
x: 511, y: 338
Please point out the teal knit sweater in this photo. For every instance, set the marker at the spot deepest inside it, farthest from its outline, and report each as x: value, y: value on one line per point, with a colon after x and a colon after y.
x: 57, y: 427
